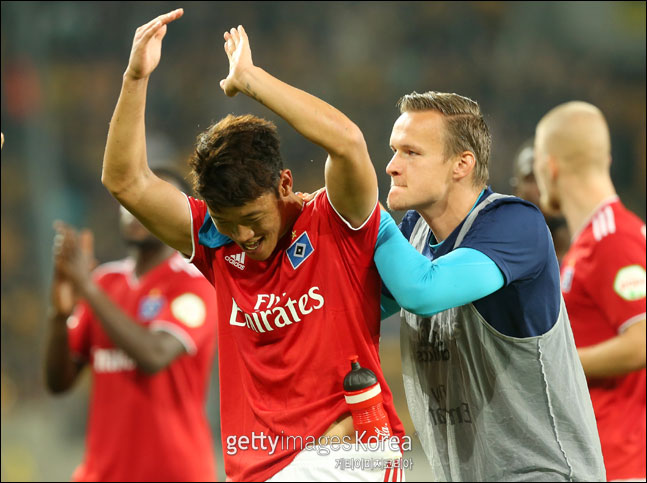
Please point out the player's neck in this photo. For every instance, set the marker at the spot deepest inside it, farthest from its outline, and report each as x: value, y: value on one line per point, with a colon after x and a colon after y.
x: 149, y: 257
x: 290, y: 210
x: 443, y: 216
x: 582, y: 195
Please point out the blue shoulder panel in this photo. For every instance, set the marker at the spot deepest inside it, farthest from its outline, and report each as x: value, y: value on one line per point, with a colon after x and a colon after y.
x: 209, y: 236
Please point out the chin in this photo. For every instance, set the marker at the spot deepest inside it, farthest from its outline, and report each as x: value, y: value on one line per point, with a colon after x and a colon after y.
x: 394, y: 204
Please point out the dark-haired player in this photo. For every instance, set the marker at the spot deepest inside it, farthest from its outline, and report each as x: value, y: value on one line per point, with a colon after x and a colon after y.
x: 146, y: 326
x: 298, y: 291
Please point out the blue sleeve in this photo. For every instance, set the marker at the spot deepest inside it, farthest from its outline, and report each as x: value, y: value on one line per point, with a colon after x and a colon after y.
x: 426, y: 287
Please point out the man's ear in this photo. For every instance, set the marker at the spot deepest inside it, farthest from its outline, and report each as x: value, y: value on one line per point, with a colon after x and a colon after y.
x: 464, y: 164
x: 285, y: 183
x: 553, y: 167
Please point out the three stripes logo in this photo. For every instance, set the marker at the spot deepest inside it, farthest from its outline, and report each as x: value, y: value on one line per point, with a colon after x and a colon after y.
x: 237, y: 261
x: 604, y: 223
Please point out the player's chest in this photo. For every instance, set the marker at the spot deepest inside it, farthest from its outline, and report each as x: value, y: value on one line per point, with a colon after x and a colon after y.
x: 142, y: 303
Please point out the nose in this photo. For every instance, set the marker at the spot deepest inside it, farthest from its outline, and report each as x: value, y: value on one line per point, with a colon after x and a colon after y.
x: 243, y: 233
x: 394, y: 168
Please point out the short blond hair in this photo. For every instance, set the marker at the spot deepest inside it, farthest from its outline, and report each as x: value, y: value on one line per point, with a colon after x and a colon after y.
x: 466, y: 128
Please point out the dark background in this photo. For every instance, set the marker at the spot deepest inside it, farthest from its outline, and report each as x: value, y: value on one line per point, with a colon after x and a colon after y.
x: 61, y: 73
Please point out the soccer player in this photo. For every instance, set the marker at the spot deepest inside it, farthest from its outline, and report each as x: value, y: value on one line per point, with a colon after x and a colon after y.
x: 603, y: 277
x: 493, y: 382
x: 298, y: 291
x: 146, y: 326
x: 525, y: 186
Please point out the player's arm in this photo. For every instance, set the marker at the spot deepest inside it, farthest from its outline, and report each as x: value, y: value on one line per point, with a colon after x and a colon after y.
x: 160, y: 206
x: 426, y: 287
x: 151, y: 350
x: 615, y: 274
x: 61, y: 368
x: 619, y: 355
x: 350, y: 177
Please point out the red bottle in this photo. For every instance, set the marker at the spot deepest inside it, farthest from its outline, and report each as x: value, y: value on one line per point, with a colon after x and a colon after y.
x: 364, y: 398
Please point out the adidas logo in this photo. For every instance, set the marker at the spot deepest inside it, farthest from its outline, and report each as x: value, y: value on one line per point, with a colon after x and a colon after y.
x: 237, y: 261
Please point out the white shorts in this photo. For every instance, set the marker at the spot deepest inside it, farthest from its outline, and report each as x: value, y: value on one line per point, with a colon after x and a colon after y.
x: 338, y: 463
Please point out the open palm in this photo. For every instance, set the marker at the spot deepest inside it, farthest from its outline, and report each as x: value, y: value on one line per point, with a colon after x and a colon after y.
x: 147, y: 45
x: 240, y: 59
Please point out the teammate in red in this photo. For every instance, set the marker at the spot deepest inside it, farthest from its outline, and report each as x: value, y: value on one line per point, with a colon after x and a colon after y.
x: 299, y: 289
x: 602, y: 277
x: 147, y: 328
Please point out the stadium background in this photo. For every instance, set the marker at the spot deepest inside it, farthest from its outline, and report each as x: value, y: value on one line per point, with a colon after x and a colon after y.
x: 61, y: 74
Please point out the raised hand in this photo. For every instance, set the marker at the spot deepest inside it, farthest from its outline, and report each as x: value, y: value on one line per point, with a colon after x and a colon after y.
x: 73, y: 255
x: 147, y: 45
x: 240, y: 60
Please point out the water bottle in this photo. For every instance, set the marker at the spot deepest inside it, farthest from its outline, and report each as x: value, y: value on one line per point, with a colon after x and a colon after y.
x: 364, y: 398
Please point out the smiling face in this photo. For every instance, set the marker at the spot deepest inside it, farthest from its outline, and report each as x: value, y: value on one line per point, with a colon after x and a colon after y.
x: 420, y: 174
x: 256, y: 226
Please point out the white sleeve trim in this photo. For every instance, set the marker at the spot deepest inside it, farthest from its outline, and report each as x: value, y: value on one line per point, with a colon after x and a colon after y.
x: 177, y: 332
x: 190, y: 259
x: 377, y: 198
x: 628, y: 323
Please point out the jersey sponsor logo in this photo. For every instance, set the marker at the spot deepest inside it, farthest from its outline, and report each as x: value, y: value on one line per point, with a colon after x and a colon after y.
x: 299, y: 250
x: 237, y: 260
x: 278, y: 312
x: 111, y: 360
x: 189, y: 309
x: 567, y: 278
x: 630, y: 282
x: 151, y: 305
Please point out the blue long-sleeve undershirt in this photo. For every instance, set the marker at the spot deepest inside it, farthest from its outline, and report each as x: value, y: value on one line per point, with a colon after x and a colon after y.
x: 426, y: 287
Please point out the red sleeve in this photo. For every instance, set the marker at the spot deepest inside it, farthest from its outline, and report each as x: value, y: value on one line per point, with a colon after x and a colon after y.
x: 202, y: 257
x: 190, y: 312
x: 355, y: 244
x: 79, y: 330
x: 615, y: 272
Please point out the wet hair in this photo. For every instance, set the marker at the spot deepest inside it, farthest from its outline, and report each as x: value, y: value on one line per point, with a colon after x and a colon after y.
x: 466, y: 129
x: 236, y: 160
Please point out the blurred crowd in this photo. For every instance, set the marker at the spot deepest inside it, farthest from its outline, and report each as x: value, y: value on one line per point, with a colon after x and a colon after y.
x: 61, y: 72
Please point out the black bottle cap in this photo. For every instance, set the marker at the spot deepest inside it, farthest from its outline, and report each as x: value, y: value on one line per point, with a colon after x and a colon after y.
x: 359, y: 377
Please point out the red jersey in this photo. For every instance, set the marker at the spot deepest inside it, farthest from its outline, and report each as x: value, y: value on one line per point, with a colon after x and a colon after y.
x: 603, y: 282
x: 289, y: 324
x: 145, y: 427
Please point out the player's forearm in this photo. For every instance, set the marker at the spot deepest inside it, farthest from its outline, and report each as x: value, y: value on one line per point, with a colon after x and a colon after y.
x: 137, y: 342
x: 423, y: 287
x: 124, y: 160
x: 313, y: 118
x: 60, y: 368
x: 614, y: 357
